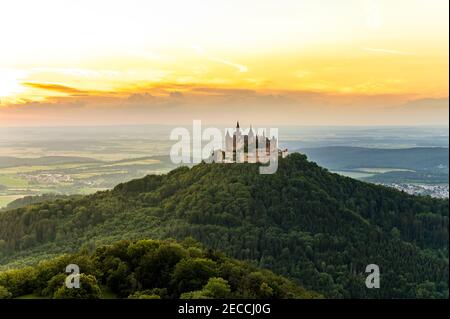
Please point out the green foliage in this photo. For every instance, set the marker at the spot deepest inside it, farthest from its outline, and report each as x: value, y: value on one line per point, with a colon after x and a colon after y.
x: 29, y: 200
x: 142, y: 295
x: 318, y: 228
x: 192, y: 273
x: 18, y: 281
x: 217, y: 288
x: 155, y: 293
x: 89, y: 289
x: 146, y: 269
x: 4, y: 293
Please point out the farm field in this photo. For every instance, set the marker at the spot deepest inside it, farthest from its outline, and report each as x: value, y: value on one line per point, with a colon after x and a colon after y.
x: 73, y: 178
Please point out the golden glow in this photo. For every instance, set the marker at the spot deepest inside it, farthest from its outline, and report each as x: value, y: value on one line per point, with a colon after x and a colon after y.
x: 60, y: 48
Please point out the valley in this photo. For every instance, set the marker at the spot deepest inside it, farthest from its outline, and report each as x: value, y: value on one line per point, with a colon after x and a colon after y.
x: 67, y: 161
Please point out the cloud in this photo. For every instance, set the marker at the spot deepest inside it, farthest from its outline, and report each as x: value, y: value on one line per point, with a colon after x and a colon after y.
x: 176, y: 95
x: 171, y: 103
x: 55, y: 87
x: 429, y: 104
x: 140, y: 97
x: 302, y: 74
x: 240, y: 67
x: 221, y: 91
x: 387, y: 51
x: 425, y: 111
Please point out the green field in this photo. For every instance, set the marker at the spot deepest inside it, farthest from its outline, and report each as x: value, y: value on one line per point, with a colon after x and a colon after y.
x: 76, y: 177
x: 12, y: 181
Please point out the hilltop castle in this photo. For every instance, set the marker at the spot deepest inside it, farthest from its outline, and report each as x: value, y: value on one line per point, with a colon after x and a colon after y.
x: 248, y: 148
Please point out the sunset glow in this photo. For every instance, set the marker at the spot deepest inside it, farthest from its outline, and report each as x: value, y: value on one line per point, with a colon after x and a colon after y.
x: 360, y: 55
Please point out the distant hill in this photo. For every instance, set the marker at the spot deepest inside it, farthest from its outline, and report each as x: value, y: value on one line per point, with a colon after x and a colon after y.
x: 343, y: 157
x: 28, y: 200
x: 319, y: 228
x: 10, y: 161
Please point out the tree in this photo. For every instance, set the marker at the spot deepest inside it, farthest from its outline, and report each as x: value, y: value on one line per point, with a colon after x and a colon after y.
x: 54, y: 284
x: 199, y: 294
x: 395, y: 233
x: 217, y: 288
x: 4, y: 293
x: 207, y: 273
x: 192, y: 274
x: 89, y: 289
x: 265, y: 291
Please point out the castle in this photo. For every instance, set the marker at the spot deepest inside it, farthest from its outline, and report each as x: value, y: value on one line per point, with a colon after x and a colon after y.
x: 248, y: 148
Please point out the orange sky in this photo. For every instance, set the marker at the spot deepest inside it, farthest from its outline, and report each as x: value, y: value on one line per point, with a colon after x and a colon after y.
x: 349, y: 62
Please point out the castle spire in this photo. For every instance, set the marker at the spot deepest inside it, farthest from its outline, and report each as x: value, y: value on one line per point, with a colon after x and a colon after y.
x: 237, y: 124
x: 250, y: 131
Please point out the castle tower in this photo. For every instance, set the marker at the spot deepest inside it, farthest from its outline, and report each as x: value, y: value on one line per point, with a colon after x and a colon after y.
x: 238, y: 145
x: 273, y: 145
x: 261, y: 146
x: 238, y: 130
x: 228, y: 142
x: 251, y: 134
x: 251, y: 146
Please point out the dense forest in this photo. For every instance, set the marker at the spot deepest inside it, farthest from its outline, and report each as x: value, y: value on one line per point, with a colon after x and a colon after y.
x: 149, y: 269
x: 318, y: 228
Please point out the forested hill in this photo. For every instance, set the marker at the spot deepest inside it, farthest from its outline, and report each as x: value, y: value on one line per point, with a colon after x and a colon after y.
x: 320, y: 229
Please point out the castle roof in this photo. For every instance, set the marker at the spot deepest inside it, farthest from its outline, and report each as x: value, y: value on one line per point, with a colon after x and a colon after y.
x: 250, y: 132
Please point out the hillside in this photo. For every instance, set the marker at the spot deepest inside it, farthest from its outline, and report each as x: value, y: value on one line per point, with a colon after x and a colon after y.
x: 149, y: 269
x: 319, y: 228
x: 29, y: 200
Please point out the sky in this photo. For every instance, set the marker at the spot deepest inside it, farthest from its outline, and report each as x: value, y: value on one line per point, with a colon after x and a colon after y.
x: 305, y: 62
